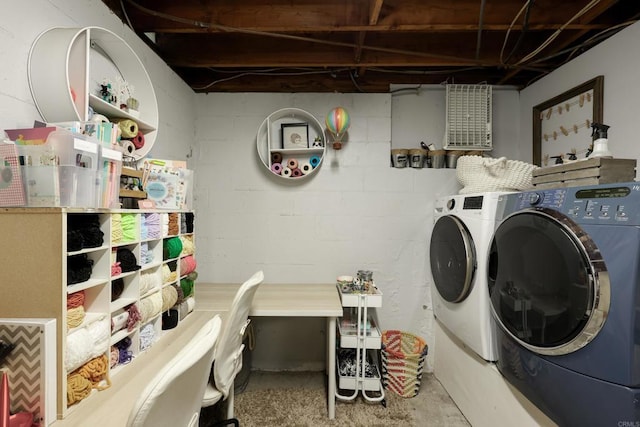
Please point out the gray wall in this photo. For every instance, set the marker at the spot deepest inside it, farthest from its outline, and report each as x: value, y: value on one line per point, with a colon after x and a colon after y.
x: 618, y: 60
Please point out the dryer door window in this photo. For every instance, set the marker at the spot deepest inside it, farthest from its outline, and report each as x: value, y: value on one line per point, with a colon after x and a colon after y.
x: 452, y: 258
x: 547, y: 282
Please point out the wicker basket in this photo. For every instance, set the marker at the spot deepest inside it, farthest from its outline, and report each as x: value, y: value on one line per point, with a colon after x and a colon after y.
x: 479, y: 174
x: 403, y: 359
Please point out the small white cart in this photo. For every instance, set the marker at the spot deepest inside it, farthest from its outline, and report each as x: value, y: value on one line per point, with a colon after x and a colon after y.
x: 359, y: 333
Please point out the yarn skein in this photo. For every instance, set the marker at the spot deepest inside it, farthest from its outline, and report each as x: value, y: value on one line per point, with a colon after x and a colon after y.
x: 75, y: 299
x: 114, y: 356
x: 172, y: 247
x: 134, y: 317
x: 169, y: 297
x: 187, y: 265
x: 78, y: 387
x: 95, y: 371
x: 75, y: 316
x: 187, y: 245
x: 187, y: 287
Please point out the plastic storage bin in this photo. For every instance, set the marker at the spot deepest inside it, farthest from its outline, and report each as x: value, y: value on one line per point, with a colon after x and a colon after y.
x: 77, y: 159
x: 62, y: 172
x: 39, y: 171
x: 403, y: 358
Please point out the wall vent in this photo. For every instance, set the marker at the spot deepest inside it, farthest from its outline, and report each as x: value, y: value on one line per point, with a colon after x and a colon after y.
x: 468, y: 117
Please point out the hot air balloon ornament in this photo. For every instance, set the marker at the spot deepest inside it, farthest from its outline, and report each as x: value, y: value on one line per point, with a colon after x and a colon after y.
x: 338, y: 122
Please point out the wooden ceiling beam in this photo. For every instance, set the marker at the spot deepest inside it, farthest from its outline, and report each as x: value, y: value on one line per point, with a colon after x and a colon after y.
x: 238, y: 51
x: 376, y: 7
x: 358, y: 40
x: 398, y: 28
x: 335, y: 15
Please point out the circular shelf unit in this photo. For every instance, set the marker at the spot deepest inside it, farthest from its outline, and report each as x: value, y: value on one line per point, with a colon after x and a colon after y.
x: 66, y: 67
x: 269, y: 141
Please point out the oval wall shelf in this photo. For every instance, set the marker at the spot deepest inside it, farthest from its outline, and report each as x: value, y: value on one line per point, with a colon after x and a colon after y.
x: 283, y: 148
x: 66, y: 67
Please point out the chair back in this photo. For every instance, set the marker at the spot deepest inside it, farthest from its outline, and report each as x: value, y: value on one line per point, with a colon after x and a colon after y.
x: 174, y: 395
x: 228, y: 353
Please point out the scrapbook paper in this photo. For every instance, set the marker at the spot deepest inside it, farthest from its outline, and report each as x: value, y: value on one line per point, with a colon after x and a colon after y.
x: 31, y: 367
x: 163, y: 189
x: 11, y: 184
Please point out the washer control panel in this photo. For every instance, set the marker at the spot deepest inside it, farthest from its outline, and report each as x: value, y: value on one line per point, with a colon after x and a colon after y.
x: 605, y: 204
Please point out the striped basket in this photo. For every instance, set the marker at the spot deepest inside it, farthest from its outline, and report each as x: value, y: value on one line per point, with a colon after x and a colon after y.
x: 403, y: 358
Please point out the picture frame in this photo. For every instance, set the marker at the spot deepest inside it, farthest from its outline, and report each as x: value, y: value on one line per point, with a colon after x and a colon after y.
x: 562, y: 125
x: 295, y: 135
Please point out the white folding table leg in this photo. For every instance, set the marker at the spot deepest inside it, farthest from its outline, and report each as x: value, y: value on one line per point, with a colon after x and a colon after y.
x: 331, y: 393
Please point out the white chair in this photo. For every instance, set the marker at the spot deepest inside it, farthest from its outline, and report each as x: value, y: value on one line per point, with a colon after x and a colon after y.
x: 174, y: 395
x: 228, y: 353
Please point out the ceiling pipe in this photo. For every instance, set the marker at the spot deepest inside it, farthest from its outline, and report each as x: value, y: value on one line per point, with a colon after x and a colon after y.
x: 480, y: 23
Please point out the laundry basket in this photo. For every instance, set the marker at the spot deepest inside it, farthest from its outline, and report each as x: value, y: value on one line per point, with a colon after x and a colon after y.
x: 403, y: 358
x: 479, y: 174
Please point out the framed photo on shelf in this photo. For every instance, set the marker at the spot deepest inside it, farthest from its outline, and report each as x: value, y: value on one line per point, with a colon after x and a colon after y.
x: 295, y: 135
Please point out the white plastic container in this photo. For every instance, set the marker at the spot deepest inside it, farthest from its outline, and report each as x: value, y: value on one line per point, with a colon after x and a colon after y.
x: 39, y: 169
x: 78, y: 160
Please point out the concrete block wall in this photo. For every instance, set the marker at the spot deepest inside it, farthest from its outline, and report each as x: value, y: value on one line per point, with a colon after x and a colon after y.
x: 355, y: 213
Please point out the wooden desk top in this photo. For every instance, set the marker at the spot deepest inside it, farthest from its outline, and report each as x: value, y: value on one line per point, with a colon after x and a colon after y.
x: 276, y: 300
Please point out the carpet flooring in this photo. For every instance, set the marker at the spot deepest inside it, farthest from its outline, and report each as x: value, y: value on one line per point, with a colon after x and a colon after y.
x: 308, y: 407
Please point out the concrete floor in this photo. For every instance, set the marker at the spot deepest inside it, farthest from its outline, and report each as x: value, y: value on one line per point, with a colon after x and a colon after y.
x: 432, y: 406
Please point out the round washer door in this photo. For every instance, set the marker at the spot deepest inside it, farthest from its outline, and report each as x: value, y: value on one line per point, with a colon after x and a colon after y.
x: 548, y: 283
x: 453, y: 258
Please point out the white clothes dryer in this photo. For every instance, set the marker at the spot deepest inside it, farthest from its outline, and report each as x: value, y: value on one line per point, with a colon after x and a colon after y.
x: 458, y: 252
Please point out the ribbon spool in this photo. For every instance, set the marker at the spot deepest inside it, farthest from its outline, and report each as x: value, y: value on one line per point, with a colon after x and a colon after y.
x: 276, y: 168
x: 286, y: 172
x: 138, y: 140
x: 276, y: 157
x: 292, y: 164
x: 306, y: 168
x: 314, y: 160
x: 296, y: 173
x: 128, y: 127
x: 127, y: 146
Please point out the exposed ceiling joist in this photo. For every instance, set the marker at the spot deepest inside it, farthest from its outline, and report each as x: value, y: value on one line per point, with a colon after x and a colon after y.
x: 366, y: 45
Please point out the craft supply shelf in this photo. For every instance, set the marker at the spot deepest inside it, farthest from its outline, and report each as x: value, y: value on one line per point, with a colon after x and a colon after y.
x: 271, y: 146
x: 42, y: 266
x: 66, y: 67
x: 357, y: 330
x: 131, y: 193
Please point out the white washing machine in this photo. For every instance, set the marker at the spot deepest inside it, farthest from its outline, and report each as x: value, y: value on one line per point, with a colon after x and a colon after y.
x: 459, y: 252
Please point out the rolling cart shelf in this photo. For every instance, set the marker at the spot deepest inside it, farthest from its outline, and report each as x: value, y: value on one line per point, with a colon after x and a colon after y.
x: 352, y: 299
x: 358, y: 331
x: 346, y: 382
x: 348, y: 333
